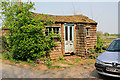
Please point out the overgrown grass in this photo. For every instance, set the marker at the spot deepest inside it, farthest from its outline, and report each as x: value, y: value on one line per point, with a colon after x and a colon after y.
x: 56, y: 66
x: 110, y: 40
x: 8, y: 56
x: 0, y: 55
x: 70, y: 63
x: 61, y: 58
x: 77, y: 60
x: 89, y: 63
x: 48, y: 63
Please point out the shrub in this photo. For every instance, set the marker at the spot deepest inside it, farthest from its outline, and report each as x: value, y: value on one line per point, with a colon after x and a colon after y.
x: 4, y: 43
x: 99, y: 45
x: 92, y: 51
x: 7, y: 55
x: 25, y: 37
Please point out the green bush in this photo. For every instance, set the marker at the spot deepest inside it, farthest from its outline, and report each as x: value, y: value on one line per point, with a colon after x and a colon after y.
x: 4, y: 43
x: 92, y: 51
x: 26, y: 38
x: 7, y: 55
x: 99, y: 45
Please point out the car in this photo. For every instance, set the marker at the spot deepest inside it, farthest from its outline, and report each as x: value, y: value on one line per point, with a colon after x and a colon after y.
x: 108, y: 63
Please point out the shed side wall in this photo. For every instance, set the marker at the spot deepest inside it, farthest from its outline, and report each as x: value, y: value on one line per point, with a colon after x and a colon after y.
x: 80, y: 39
x: 91, y: 40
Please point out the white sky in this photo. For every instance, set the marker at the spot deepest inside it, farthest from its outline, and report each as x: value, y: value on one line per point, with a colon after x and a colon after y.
x: 105, y: 12
x: 72, y: 0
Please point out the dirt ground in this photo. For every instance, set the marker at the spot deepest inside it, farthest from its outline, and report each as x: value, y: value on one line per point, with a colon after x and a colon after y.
x: 69, y: 68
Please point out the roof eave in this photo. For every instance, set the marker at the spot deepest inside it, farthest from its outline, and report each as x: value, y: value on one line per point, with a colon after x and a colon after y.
x: 76, y: 22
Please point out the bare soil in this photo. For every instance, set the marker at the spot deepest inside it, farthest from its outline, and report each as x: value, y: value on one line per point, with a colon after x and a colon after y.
x: 70, y: 67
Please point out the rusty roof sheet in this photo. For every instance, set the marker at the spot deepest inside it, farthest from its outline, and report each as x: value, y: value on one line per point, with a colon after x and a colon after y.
x: 69, y: 19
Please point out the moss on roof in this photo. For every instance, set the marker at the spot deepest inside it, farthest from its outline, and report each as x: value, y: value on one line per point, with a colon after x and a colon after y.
x: 70, y: 19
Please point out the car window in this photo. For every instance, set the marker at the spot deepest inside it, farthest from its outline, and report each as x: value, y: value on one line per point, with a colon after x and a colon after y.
x: 114, y: 46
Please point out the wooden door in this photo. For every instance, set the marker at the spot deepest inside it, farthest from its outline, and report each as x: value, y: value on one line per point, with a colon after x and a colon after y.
x: 69, y: 38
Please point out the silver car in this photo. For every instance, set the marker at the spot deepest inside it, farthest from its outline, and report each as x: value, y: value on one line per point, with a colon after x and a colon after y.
x: 108, y: 63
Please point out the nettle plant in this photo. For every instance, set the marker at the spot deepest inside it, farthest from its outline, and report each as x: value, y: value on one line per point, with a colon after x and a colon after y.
x: 25, y: 36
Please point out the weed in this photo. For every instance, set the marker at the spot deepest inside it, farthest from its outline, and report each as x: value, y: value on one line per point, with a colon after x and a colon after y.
x: 56, y: 66
x: 85, y: 67
x: 0, y: 56
x: 90, y: 63
x: 30, y: 61
x: 88, y: 58
x: 61, y: 58
x: 70, y: 64
x: 45, y: 70
x: 92, y: 57
x: 98, y: 55
x: 77, y: 60
x: 48, y: 63
x: 17, y: 62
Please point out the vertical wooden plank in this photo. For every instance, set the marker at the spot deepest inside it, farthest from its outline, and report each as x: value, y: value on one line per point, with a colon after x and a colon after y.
x: 74, y: 38
x: 62, y: 35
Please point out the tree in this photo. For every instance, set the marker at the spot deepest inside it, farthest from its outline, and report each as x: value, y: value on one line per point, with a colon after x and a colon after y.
x: 25, y: 37
x: 106, y: 34
x: 112, y: 34
x: 100, y: 33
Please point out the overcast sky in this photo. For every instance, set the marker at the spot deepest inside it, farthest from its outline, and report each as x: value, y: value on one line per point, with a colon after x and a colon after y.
x: 104, y: 13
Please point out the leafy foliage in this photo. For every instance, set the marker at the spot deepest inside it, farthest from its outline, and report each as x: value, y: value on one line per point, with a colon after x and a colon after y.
x: 106, y: 34
x: 97, y: 47
x: 25, y: 38
x: 61, y: 58
x: 99, y: 44
x: 92, y: 51
x: 48, y: 63
x: 4, y: 43
x: 7, y: 55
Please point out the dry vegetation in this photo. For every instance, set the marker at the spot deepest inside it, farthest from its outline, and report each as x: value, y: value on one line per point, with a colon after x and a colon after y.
x: 62, y: 63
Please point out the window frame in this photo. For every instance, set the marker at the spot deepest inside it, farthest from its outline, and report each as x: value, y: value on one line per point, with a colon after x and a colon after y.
x: 56, y: 29
x: 88, y: 31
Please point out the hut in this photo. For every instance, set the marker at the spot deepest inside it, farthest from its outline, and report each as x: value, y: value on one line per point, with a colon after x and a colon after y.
x: 78, y: 33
